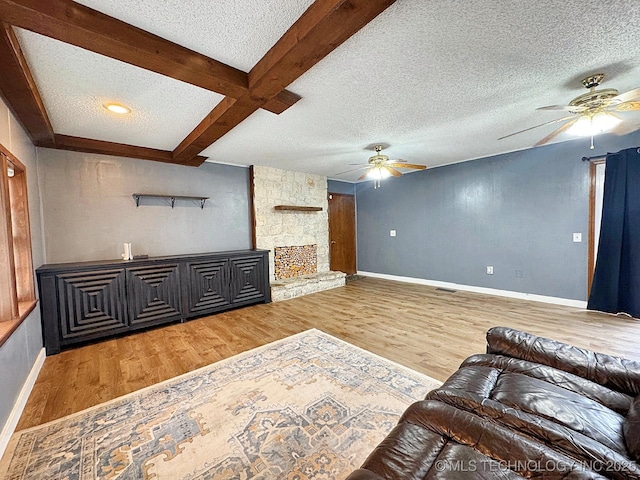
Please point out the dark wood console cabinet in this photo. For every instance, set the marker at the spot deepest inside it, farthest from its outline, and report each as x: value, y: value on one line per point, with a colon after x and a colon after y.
x: 87, y: 301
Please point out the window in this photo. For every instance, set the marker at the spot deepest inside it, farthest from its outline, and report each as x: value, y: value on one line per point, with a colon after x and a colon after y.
x: 17, y: 291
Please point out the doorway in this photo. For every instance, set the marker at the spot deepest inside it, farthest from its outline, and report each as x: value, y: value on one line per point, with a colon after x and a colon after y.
x: 342, y: 233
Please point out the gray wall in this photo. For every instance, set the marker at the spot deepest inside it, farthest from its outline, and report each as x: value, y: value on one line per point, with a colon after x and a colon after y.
x: 515, y: 211
x: 336, y: 186
x: 89, y: 212
x: 18, y: 354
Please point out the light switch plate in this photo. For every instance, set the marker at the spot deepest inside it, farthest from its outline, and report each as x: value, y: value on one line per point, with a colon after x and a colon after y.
x: 392, y: 233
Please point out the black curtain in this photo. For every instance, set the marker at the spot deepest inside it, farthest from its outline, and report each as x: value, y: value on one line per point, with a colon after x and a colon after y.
x: 616, y: 279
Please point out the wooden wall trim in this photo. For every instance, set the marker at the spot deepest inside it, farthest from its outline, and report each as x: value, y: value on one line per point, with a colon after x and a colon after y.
x: 12, y: 158
x: 21, y: 229
x: 252, y: 208
x: 591, y: 255
x: 8, y: 297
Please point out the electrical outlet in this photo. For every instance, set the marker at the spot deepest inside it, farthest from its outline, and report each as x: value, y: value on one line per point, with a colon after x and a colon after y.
x: 577, y: 237
x: 489, y: 270
x: 518, y: 273
x: 392, y: 233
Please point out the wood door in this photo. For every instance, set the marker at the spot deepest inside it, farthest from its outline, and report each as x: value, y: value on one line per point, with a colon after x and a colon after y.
x: 342, y: 233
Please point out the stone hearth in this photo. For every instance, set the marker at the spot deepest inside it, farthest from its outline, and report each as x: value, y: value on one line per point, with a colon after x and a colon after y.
x: 297, y: 286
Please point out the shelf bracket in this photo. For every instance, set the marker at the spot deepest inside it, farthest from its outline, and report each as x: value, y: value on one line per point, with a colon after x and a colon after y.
x: 173, y: 201
x: 137, y: 199
x: 202, y: 202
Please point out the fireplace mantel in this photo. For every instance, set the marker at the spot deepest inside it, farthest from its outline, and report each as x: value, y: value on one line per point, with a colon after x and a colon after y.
x: 297, y: 208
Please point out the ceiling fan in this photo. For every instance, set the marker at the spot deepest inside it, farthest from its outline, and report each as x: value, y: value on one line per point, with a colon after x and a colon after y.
x: 591, y: 113
x: 381, y: 166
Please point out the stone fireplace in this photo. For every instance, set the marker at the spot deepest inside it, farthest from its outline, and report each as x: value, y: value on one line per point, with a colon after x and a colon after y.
x: 297, y: 239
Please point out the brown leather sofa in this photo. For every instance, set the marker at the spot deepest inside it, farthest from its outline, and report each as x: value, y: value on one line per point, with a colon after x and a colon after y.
x: 529, y: 408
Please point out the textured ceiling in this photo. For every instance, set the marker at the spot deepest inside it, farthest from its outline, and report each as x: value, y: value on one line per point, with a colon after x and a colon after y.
x: 437, y: 81
x: 75, y: 84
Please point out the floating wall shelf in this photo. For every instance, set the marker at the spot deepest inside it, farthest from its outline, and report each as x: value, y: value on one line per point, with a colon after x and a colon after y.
x: 296, y: 208
x: 173, y: 198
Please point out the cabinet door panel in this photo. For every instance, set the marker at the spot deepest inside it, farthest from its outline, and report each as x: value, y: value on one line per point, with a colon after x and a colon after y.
x: 208, y: 286
x: 247, y: 279
x: 154, y: 294
x: 91, y: 304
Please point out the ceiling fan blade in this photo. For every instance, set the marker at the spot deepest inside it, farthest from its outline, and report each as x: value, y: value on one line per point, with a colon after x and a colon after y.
x: 363, y: 176
x: 627, y: 96
x: 393, y: 171
x: 563, y: 107
x: 556, y: 132
x: 541, y: 125
x: 352, y: 170
x: 624, y: 128
x: 627, y: 106
x: 407, y: 165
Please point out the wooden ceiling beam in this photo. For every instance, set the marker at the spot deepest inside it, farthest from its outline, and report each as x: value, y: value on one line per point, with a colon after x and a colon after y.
x: 19, y: 89
x: 281, y: 102
x: 88, y: 145
x: 321, y: 29
x: 86, y: 28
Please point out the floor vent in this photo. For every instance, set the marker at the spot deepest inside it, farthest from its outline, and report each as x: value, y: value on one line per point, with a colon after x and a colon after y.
x: 448, y: 290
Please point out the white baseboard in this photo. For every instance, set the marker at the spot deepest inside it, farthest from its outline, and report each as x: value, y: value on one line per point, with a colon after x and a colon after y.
x: 21, y: 401
x: 488, y: 291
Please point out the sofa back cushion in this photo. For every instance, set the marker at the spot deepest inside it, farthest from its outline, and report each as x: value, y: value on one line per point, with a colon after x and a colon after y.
x: 631, y: 428
x: 612, y: 372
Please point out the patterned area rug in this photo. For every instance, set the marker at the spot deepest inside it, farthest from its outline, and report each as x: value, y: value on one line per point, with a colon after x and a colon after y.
x: 308, y: 407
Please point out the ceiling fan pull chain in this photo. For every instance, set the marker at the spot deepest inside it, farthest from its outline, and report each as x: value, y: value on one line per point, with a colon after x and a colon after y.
x: 591, y: 147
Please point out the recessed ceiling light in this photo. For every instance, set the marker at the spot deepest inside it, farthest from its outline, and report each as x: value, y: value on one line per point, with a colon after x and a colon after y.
x: 117, y: 108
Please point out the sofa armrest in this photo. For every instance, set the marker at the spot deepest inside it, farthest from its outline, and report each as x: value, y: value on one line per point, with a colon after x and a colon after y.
x: 613, y: 372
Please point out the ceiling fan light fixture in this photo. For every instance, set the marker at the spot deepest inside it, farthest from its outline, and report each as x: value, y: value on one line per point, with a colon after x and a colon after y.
x: 378, y: 173
x: 589, y: 125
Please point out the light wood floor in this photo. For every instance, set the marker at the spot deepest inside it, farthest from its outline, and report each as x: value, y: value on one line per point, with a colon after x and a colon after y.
x: 423, y: 328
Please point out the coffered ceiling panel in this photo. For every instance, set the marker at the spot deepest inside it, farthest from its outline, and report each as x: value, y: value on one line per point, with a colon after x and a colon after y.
x: 235, y: 32
x: 75, y: 84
